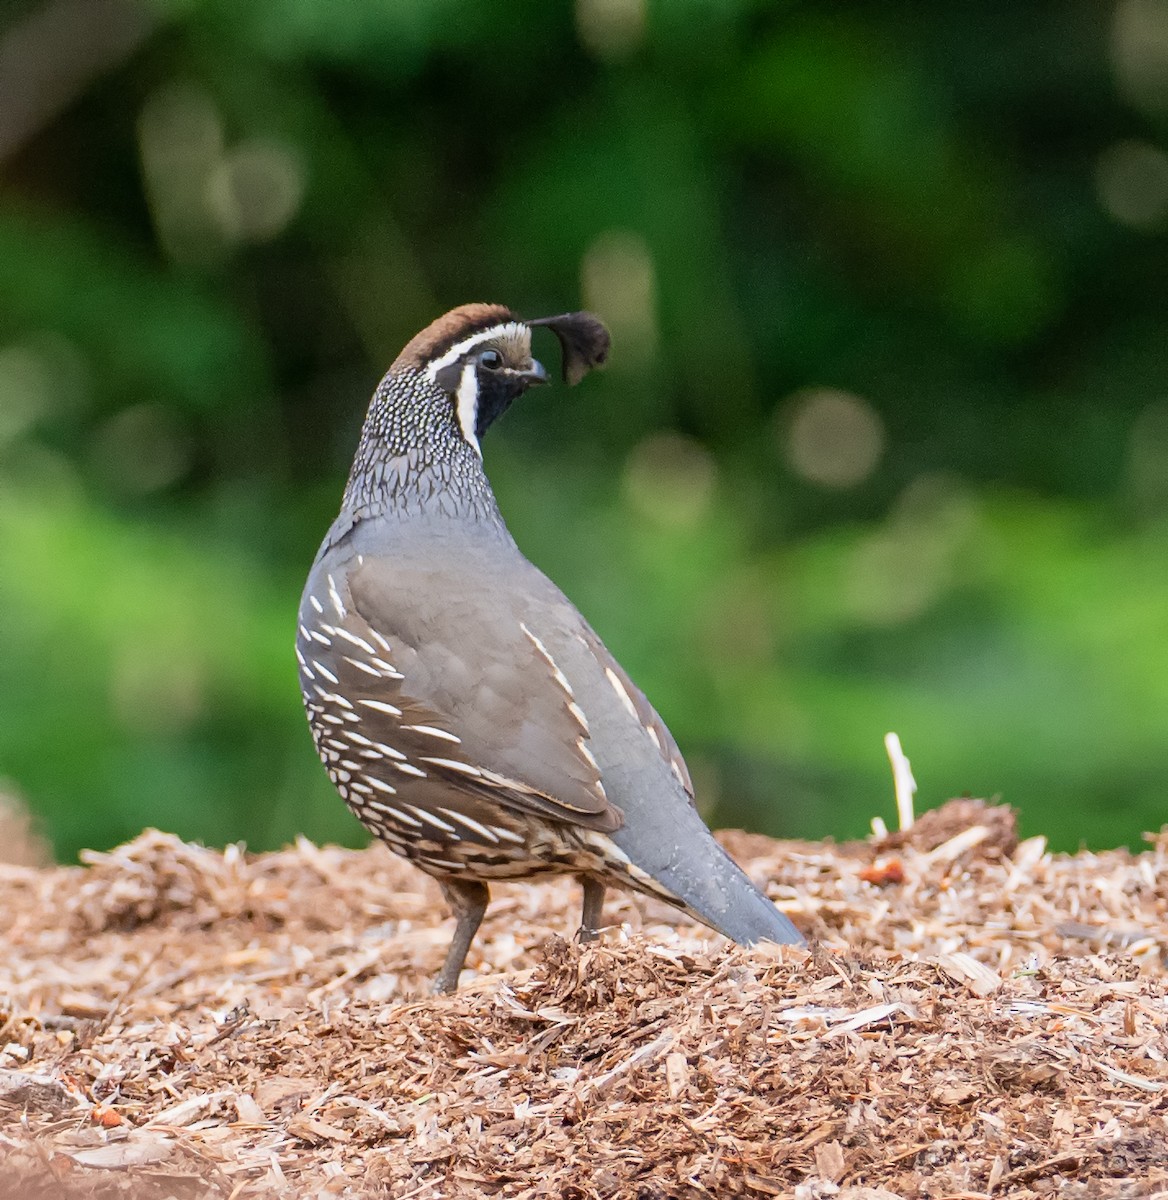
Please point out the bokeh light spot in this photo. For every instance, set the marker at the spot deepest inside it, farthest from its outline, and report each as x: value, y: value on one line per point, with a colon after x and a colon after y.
x: 831, y: 437
x: 904, y: 567
x: 618, y: 279
x: 25, y: 391
x: 180, y: 141
x: 256, y: 190
x: 140, y: 450
x: 42, y: 375
x: 1139, y: 52
x: 1148, y: 459
x: 156, y: 693
x: 611, y: 29
x: 206, y: 197
x: 670, y: 480
x: 1132, y: 181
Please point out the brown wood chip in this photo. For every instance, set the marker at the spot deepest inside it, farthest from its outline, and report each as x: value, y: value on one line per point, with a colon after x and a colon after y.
x: 178, y: 1021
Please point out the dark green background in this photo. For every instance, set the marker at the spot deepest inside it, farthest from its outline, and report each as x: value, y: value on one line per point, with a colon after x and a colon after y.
x: 883, y: 443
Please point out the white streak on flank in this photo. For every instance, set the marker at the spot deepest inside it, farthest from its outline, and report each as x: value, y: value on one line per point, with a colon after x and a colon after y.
x: 470, y: 824
x: 331, y: 630
x: 407, y: 768
x: 381, y: 785
x: 319, y: 637
x: 454, y: 765
x: 597, y: 787
x: 331, y: 718
x: 603, y: 845
x: 324, y: 671
x: 505, y: 331
x: 389, y: 751
x: 678, y: 773
x: 587, y: 754
x: 350, y: 765
x: 653, y: 736
x: 622, y: 692
x: 381, y: 641
x: 431, y: 819
x: 433, y: 731
x: 386, y: 669
x: 361, y: 666
x: 335, y: 597
x: 380, y: 706
x: 395, y: 813
x: 361, y: 643
x: 643, y: 877
x: 508, y: 835
x: 581, y: 719
x: 303, y: 664
x: 557, y: 674
x: 336, y: 743
x: 331, y: 697
x: 356, y: 738
x: 316, y: 604
x: 357, y: 786
x: 467, y: 403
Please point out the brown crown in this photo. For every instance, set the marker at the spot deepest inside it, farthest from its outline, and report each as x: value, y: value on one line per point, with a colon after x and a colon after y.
x: 449, y: 329
x: 583, y: 338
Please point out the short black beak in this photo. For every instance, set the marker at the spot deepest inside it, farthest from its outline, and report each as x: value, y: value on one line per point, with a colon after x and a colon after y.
x: 534, y: 374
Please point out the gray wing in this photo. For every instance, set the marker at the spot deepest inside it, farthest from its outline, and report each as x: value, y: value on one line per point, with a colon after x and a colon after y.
x: 471, y: 701
x: 639, y: 708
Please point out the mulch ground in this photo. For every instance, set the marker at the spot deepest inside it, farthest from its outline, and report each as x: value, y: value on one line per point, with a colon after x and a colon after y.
x: 976, y: 1017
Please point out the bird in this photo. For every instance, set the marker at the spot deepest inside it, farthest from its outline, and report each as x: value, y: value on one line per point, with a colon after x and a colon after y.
x: 463, y: 708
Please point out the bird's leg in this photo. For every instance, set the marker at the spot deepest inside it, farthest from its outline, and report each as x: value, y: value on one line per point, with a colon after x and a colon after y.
x: 593, y: 903
x: 468, y: 900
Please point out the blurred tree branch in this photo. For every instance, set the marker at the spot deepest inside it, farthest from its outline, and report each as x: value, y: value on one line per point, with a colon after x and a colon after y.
x: 50, y: 58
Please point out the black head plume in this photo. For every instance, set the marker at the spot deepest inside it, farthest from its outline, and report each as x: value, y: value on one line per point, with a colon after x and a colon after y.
x: 583, y: 339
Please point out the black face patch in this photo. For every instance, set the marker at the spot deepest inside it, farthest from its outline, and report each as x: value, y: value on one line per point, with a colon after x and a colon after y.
x: 497, y: 392
x: 484, y: 378
x: 489, y: 359
x: 487, y: 371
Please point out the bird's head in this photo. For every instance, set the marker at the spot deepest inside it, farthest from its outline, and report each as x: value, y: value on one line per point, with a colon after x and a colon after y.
x: 480, y: 356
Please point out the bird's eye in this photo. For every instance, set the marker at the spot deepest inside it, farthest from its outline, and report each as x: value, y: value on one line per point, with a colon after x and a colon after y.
x: 491, y: 359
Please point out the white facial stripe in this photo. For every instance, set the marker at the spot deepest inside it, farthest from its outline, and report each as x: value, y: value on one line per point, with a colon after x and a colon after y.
x: 468, y: 405
x: 509, y: 329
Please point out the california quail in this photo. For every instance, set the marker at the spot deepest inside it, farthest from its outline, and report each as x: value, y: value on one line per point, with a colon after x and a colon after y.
x: 464, y: 709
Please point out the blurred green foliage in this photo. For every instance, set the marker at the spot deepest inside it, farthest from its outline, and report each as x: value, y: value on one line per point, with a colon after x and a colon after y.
x: 883, y: 443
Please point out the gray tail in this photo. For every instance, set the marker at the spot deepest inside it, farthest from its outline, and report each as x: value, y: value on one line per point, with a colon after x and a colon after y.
x: 692, y: 871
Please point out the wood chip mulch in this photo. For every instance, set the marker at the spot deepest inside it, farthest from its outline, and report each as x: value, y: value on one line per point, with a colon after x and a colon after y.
x: 976, y: 1017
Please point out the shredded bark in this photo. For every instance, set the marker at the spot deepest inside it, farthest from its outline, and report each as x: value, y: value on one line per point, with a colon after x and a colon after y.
x: 975, y: 1017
